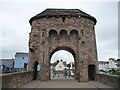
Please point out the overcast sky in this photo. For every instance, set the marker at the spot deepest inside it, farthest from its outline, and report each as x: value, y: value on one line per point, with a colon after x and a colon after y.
x: 15, y: 27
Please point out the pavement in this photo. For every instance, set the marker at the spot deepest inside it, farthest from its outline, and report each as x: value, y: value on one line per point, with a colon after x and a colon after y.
x: 65, y: 83
x: 60, y: 76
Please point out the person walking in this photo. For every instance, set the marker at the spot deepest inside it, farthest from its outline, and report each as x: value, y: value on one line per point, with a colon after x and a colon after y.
x: 69, y: 73
x: 65, y: 73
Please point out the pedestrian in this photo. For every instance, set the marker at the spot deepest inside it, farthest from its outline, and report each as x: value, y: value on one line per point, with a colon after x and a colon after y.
x: 58, y: 75
x: 69, y: 73
x: 65, y: 73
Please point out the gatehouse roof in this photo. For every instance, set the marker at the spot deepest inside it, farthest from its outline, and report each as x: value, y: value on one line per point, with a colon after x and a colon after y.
x: 62, y: 12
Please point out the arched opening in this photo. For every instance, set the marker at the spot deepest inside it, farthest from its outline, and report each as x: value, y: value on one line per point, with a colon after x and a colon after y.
x: 63, y: 32
x: 52, y: 33
x: 74, y: 33
x: 36, y: 70
x: 91, y: 72
x: 62, y: 63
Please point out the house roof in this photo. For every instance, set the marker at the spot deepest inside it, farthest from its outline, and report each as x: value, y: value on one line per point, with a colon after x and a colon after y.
x: 103, y: 62
x: 57, y: 62
x: 62, y: 12
x: 65, y: 64
x: 117, y: 63
x: 118, y: 59
x: 21, y: 54
x: 7, y: 61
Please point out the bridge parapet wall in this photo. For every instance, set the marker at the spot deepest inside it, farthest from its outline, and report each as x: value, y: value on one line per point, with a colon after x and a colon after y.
x: 17, y: 79
x: 109, y: 80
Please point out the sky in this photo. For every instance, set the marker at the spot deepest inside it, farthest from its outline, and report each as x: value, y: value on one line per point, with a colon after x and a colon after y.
x: 15, y: 27
x: 62, y: 55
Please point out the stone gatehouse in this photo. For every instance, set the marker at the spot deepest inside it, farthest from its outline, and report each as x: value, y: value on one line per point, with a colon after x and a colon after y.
x: 63, y: 29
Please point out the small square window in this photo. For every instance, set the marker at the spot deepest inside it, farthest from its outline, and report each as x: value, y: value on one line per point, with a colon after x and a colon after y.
x: 59, y: 66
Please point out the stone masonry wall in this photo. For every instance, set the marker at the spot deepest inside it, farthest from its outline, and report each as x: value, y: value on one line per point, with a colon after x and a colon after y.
x: 16, y: 80
x: 82, y: 42
x: 109, y: 80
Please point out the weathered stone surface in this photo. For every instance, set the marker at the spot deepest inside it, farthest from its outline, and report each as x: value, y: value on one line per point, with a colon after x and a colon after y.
x: 75, y: 34
x: 109, y: 80
x: 16, y: 80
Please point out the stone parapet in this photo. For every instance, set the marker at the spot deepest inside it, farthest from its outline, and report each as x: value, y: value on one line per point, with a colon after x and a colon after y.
x: 109, y: 80
x: 17, y: 79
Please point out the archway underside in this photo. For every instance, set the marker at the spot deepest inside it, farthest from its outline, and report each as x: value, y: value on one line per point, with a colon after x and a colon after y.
x: 69, y: 71
x: 63, y: 48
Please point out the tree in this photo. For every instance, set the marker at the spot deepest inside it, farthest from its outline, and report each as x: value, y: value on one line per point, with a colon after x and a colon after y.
x: 69, y: 65
x: 113, y: 71
x: 73, y: 65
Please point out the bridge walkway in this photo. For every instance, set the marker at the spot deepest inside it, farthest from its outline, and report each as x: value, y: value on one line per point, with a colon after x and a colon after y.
x: 65, y: 83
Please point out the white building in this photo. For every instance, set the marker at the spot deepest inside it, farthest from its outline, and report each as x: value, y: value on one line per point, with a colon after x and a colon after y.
x: 60, y: 66
x: 112, y: 63
x: 105, y: 66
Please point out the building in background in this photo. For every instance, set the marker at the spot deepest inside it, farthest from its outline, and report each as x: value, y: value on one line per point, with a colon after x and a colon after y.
x: 114, y: 64
x: 6, y: 65
x: 103, y: 66
x: 21, y: 61
x: 107, y: 66
x: 60, y: 65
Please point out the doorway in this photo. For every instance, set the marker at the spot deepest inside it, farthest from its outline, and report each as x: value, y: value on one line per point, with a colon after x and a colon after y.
x: 36, y: 69
x: 91, y: 72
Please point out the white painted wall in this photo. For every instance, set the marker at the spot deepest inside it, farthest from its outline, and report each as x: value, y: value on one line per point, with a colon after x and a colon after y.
x: 103, y: 67
x: 108, y: 66
x: 112, y: 64
x: 60, y: 66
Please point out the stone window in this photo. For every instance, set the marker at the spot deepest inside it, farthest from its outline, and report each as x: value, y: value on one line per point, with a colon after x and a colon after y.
x: 74, y: 33
x: 34, y: 35
x: 82, y: 32
x: 52, y: 33
x: 59, y: 66
x: 31, y: 50
x: 63, y: 19
x: 81, y: 62
x: 83, y: 42
x: 63, y: 32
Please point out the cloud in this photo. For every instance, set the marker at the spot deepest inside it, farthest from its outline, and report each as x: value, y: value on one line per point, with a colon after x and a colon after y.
x: 58, y: 1
x: 15, y: 26
x: 62, y: 54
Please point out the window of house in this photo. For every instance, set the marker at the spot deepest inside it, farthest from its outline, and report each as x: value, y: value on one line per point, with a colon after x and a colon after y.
x: 22, y: 57
x: 59, y: 66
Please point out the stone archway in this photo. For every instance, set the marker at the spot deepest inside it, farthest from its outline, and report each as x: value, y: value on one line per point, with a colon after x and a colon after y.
x: 71, y: 30
x: 66, y: 49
